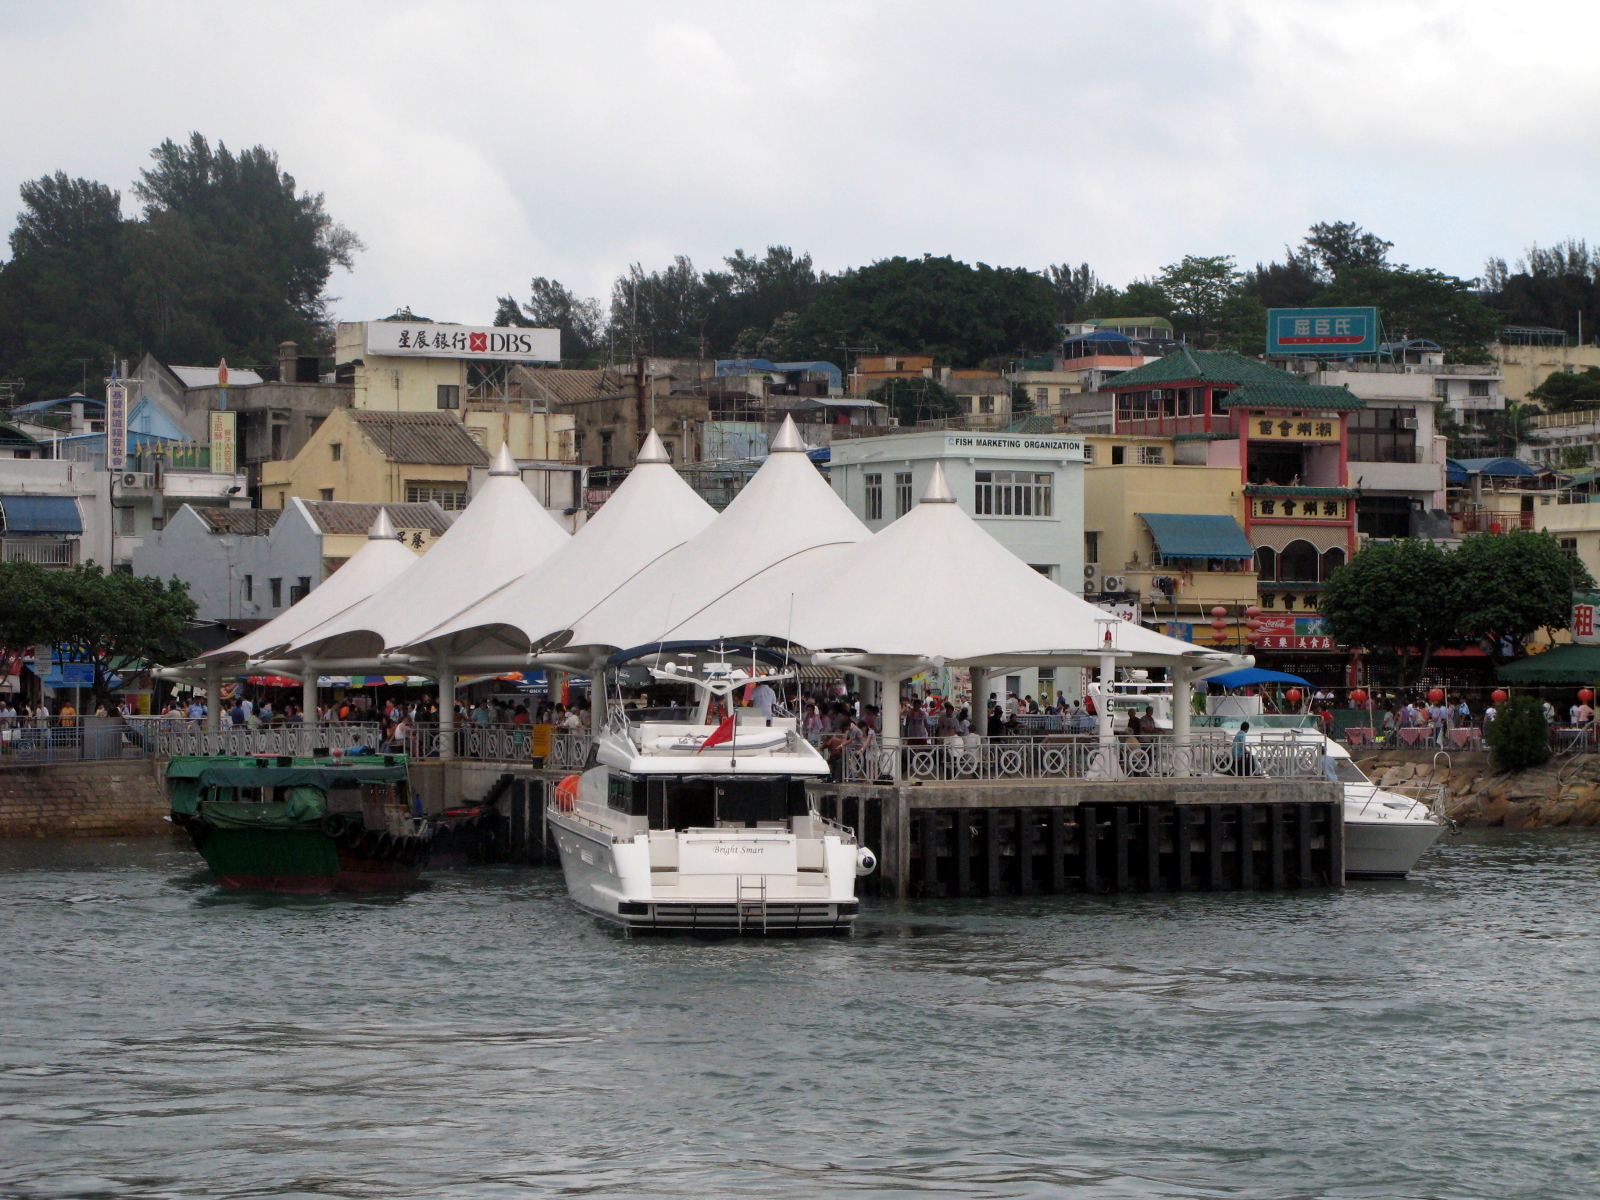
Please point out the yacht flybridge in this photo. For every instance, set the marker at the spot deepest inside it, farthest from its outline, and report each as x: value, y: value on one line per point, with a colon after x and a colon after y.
x: 698, y: 824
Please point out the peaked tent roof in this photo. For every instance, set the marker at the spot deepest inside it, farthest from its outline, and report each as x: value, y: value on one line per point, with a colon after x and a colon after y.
x: 784, y: 516
x: 651, y: 514
x: 498, y: 537
x: 913, y: 590
x: 378, y: 562
x: 1203, y: 366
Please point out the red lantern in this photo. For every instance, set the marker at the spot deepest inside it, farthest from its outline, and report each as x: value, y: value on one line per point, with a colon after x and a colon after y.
x: 1218, y: 613
x: 1436, y: 695
x: 1358, y: 696
x: 1499, y: 696
x: 1292, y: 695
x: 1586, y: 694
x: 1252, y: 612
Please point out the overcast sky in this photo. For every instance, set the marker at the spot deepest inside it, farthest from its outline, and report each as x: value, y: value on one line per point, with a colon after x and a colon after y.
x: 474, y: 145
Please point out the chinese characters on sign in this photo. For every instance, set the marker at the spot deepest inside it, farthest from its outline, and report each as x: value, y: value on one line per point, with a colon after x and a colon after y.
x: 1281, y: 641
x: 1294, y: 429
x: 1583, y: 610
x: 422, y: 340
x: 1299, y: 509
x: 1321, y: 330
x: 223, y: 448
x: 116, y: 426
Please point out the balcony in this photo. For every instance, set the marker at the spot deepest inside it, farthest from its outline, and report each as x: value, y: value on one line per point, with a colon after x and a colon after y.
x: 44, y: 552
x: 1197, y: 591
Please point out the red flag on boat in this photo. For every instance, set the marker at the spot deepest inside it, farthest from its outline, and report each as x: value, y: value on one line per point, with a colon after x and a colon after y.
x: 722, y: 733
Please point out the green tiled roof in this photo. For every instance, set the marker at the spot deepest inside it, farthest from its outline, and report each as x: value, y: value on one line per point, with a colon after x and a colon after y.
x: 1297, y: 395
x: 1184, y: 365
x: 1271, y: 489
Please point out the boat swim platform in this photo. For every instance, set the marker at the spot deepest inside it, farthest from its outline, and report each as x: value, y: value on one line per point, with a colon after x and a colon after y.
x: 951, y: 839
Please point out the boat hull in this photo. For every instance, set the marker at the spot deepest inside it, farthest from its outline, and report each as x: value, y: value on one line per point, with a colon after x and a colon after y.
x: 293, y: 861
x: 1385, y: 849
x: 596, y: 884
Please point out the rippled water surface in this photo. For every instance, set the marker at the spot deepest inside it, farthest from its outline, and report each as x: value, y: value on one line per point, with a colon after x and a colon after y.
x: 481, y: 1038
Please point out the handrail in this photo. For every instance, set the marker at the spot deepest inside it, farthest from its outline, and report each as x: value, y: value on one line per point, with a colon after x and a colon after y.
x: 174, y: 736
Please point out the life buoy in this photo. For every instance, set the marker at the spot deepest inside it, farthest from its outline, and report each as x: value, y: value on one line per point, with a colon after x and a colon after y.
x: 567, y: 793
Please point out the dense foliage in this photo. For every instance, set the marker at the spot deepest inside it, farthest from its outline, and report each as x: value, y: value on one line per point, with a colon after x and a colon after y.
x: 1408, y: 597
x: 114, y: 620
x: 913, y: 400
x: 1518, y: 736
x: 226, y: 259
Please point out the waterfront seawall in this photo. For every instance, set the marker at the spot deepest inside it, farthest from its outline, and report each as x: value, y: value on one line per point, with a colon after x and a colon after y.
x: 1563, y: 793
x: 88, y: 799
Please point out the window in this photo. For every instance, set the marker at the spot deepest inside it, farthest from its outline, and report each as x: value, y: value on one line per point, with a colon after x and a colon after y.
x: 249, y: 587
x: 902, y: 493
x: 1477, y: 387
x: 449, y: 395
x: 1041, y: 396
x: 275, y: 592
x: 1013, y: 494
x: 986, y: 404
x: 1091, y: 548
x: 1332, y: 560
x: 336, y: 451
x: 1118, y: 455
x: 1380, y: 435
x: 672, y: 450
x: 1441, y: 388
x: 1383, y: 516
x: 1570, y: 546
x: 325, y: 493
x: 1152, y: 456
x: 1048, y: 570
x: 964, y: 403
x: 1266, y: 564
x: 300, y: 590
x: 125, y: 517
x: 447, y: 495
x: 1047, y: 683
x: 605, y: 449
x: 1088, y: 453
x: 1298, y: 564
x: 577, y: 444
x: 874, y: 497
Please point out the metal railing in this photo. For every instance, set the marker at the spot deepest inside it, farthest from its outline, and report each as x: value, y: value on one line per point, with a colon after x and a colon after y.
x: 978, y: 760
x: 46, y: 552
x: 500, y: 743
x: 172, y: 736
x: 27, y: 741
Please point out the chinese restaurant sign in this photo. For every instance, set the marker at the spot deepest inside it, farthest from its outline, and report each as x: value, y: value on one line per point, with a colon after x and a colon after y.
x: 116, y: 426
x: 1584, y: 607
x: 223, y: 451
x: 422, y: 340
x: 1294, y: 429
x: 1302, y: 331
x: 1293, y: 633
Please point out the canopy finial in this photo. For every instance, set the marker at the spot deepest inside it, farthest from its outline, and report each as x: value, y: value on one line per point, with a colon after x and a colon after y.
x: 654, y: 450
x: 382, y: 527
x: 504, y: 464
x: 788, y: 439
x: 938, y: 490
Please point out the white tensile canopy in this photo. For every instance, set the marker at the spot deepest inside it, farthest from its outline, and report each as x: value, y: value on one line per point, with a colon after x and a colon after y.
x: 649, y: 516
x: 783, y: 523
x: 502, y: 534
x: 383, y: 559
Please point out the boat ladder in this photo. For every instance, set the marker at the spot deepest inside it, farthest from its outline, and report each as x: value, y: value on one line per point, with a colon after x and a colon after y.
x: 750, y: 894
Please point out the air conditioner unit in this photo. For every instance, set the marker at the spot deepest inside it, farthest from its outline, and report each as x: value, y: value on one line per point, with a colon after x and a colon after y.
x: 1091, y: 578
x: 1111, y: 583
x: 1408, y: 422
x: 136, y: 479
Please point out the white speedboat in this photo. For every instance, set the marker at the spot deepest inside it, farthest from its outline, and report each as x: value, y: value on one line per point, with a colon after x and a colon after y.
x: 1385, y: 832
x: 674, y: 828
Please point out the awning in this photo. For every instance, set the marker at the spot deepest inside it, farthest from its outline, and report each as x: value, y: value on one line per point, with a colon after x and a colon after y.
x: 1577, y: 663
x: 1184, y: 535
x: 41, y: 514
x: 1251, y: 676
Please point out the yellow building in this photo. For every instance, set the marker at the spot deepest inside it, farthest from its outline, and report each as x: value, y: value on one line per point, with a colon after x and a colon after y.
x: 1523, y: 368
x: 1138, y: 533
x: 396, y: 383
x: 379, y: 458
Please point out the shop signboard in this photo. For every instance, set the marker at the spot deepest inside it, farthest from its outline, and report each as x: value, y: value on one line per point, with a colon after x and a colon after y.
x: 485, y: 343
x: 1288, y: 632
x: 1297, y: 332
x: 1584, y: 607
x: 223, y: 446
x: 116, y: 425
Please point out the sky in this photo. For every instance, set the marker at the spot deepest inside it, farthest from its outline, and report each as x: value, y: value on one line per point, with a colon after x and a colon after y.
x: 473, y: 145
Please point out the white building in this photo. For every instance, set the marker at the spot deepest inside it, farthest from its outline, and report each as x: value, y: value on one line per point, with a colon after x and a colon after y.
x: 1026, y: 490
x: 54, y: 512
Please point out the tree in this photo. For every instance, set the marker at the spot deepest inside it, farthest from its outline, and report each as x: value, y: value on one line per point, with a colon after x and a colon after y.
x: 1074, y: 286
x: 116, y: 621
x: 1199, y: 288
x: 1514, y: 584
x: 1556, y: 287
x: 1398, y: 598
x: 1563, y: 390
x: 1519, y: 736
x: 958, y: 313
x: 1293, y: 283
x: 551, y: 305
x: 918, y: 399
x: 1420, y: 304
x: 1021, y: 400
x: 226, y: 259
x: 756, y: 293
x: 1339, y: 245
x: 662, y: 312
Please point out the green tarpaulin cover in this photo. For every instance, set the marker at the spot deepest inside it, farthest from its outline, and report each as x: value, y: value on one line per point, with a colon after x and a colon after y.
x: 305, y: 808
x: 1576, y: 663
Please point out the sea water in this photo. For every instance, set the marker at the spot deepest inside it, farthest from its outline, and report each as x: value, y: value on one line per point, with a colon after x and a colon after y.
x: 480, y: 1037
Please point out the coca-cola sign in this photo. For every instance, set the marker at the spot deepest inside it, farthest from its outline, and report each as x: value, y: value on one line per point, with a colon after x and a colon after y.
x: 419, y: 339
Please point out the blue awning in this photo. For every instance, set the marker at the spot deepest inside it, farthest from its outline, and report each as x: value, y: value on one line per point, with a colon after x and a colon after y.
x: 1251, y: 676
x: 1185, y: 535
x: 40, y: 514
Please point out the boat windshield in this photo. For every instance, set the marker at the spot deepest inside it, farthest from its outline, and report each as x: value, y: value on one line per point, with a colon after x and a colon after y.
x: 1342, y: 770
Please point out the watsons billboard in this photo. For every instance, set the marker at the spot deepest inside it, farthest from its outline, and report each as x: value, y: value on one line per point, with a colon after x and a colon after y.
x: 463, y: 341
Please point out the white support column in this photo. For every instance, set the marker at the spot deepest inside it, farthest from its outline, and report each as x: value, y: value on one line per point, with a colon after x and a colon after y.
x: 890, y: 689
x: 1182, y: 709
x: 213, y: 697
x: 597, y: 697
x: 447, y: 710
x: 308, y: 705
x: 1108, y: 676
x: 980, y: 700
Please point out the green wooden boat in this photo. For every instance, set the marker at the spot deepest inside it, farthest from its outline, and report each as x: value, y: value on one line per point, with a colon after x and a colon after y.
x: 300, y: 825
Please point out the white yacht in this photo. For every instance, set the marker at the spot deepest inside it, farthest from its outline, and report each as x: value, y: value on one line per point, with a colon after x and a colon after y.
x: 672, y: 828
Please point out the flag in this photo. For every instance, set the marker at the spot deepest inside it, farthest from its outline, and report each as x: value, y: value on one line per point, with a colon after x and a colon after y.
x: 722, y: 733
x: 749, y: 690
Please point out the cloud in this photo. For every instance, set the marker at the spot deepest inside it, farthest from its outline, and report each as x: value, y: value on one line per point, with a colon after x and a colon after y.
x: 475, y: 144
